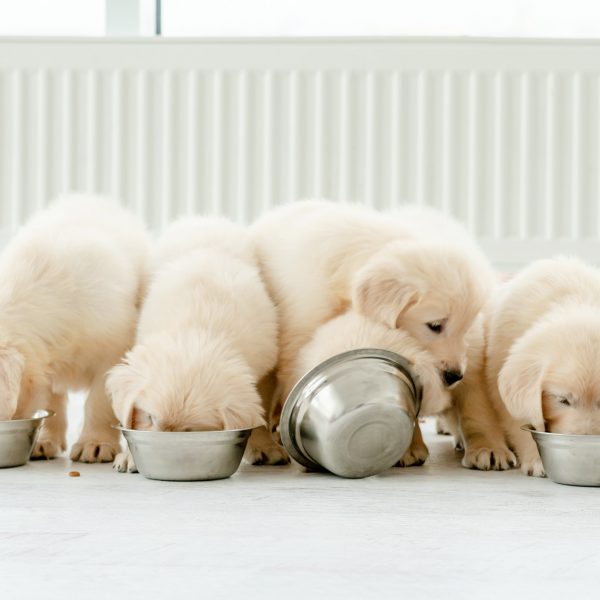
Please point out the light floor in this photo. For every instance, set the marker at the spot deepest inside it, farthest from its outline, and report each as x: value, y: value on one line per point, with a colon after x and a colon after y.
x: 271, y: 532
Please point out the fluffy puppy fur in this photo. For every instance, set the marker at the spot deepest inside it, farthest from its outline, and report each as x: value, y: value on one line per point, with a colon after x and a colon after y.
x: 413, y: 270
x: 543, y: 353
x: 207, y: 334
x: 472, y: 420
x: 352, y: 331
x: 72, y: 280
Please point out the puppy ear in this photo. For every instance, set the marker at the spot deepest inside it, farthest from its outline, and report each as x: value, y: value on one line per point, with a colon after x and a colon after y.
x: 140, y: 419
x: 383, y: 294
x: 520, y: 386
x: 125, y: 385
x: 12, y: 364
x: 244, y: 413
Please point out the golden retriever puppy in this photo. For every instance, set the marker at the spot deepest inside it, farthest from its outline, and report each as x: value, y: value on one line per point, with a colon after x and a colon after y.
x: 71, y: 284
x: 543, y: 353
x: 352, y: 331
x: 207, y: 334
x: 471, y: 418
x: 474, y: 422
x: 413, y: 270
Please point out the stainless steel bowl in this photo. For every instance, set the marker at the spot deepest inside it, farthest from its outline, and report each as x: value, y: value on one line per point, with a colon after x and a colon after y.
x: 353, y: 414
x: 569, y: 459
x: 18, y: 437
x: 187, y: 456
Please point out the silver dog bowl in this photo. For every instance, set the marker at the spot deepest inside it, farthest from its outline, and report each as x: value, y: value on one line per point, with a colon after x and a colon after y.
x: 352, y: 415
x: 187, y: 456
x: 18, y: 437
x: 569, y: 459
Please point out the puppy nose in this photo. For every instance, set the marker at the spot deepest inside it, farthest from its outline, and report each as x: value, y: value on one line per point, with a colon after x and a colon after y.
x: 451, y: 377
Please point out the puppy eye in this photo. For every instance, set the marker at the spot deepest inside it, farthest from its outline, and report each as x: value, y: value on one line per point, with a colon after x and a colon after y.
x: 435, y: 326
x: 564, y: 401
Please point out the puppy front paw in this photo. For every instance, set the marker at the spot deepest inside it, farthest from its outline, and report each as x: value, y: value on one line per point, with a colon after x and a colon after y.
x: 271, y: 454
x: 264, y: 450
x: 94, y: 451
x: 441, y: 427
x: 47, y: 447
x: 415, y: 456
x: 533, y: 467
x: 124, y: 463
x: 493, y: 458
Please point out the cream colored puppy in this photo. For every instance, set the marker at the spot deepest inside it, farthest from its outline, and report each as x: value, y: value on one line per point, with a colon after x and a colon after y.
x: 207, y: 335
x: 413, y: 270
x: 543, y: 353
x: 71, y: 282
x: 472, y: 418
x: 352, y: 331
x: 477, y: 426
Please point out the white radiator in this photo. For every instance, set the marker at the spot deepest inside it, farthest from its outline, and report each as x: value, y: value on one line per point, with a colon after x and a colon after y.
x: 503, y: 134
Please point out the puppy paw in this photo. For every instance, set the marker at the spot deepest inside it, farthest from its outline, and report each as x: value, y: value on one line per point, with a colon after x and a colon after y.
x: 267, y: 455
x: 94, y: 451
x: 47, y: 448
x: 124, y: 463
x: 440, y: 427
x: 414, y: 457
x: 489, y: 459
x: 533, y: 467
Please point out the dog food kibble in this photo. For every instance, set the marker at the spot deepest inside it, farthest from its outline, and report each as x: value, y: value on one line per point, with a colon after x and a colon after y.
x: 74, y: 473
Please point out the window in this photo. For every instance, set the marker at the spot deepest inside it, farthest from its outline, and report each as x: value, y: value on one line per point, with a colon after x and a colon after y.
x: 79, y: 18
x: 222, y: 18
x: 506, y: 18
x: 52, y: 17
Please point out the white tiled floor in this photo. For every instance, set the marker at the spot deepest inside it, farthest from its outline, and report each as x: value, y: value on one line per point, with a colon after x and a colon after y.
x: 270, y: 532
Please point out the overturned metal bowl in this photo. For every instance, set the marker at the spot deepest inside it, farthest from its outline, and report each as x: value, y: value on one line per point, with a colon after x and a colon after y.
x: 18, y: 437
x: 352, y: 415
x: 569, y: 459
x: 187, y: 456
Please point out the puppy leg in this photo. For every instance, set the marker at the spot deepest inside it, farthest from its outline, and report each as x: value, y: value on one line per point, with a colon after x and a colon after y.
x: 448, y: 423
x: 443, y: 425
x: 53, y: 435
x: 124, y: 462
x: 262, y: 448
x: 98, y: 441
x: 524, y: 446
x: 482, y: 431
x: 480, y: 420
x: 519, y: 441
x: 417, y: 452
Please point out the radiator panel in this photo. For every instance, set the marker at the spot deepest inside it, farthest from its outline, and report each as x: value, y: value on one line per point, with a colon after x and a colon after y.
x: 504, y: 135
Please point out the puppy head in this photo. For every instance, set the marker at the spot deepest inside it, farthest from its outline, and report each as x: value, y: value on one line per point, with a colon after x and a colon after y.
x: 12, y: 364
x: 184, y: 383
x: 433, y: 291
x: 550, y: 378
x: 351, y: 331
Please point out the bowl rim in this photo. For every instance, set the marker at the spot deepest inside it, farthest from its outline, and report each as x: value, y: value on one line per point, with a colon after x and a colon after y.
x: 535, y: 432
x: 210, y: 433
x: 289, y: 439
x: 46, y: 414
